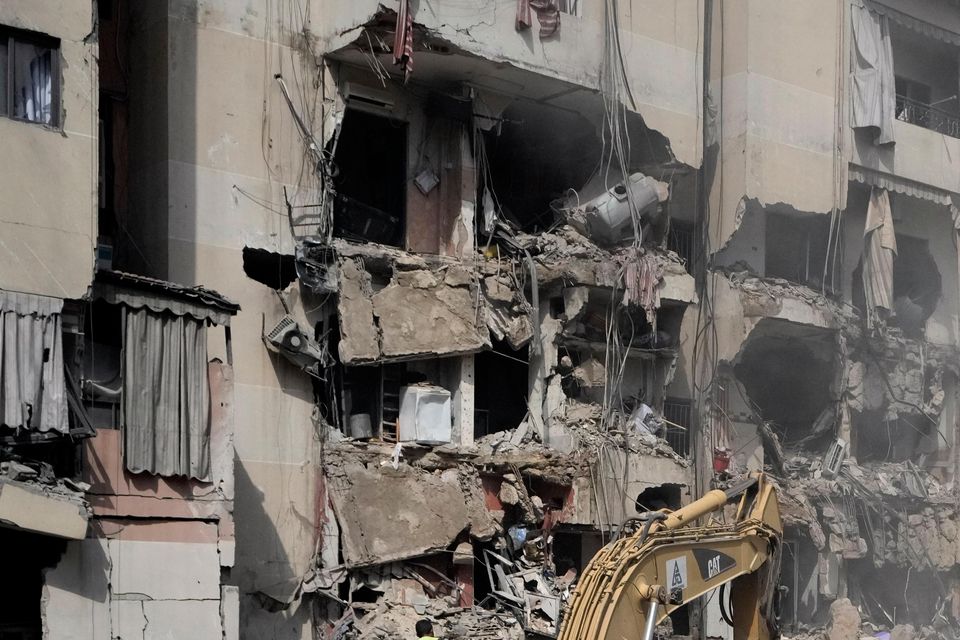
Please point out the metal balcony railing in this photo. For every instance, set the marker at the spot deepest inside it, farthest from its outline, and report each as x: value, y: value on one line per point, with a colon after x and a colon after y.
x: 923, y: 115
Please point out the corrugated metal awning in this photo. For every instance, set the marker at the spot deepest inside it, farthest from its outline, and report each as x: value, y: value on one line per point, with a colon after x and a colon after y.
x: 905, y: 186
x: 140, y: 292
x: 915, y: 24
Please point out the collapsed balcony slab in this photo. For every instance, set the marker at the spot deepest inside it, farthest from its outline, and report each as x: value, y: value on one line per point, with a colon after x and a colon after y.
x: 33, y: 509
x: 389, y: 514
x: 395, y: 306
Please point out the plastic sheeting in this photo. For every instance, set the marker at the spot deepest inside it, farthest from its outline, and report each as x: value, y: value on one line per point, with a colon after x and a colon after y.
x: 873, y: 96
x: 166, y: 395
x: 32, y: 386
x: 880, y: 248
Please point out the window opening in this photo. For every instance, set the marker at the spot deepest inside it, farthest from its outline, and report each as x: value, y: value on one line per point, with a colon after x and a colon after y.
x: 371, y: 161
x: 29, y: 76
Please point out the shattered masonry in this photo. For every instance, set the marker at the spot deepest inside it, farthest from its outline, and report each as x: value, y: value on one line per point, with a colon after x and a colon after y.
x: 486, y: 297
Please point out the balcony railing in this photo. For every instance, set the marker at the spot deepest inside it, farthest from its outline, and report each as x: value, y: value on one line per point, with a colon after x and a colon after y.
x: 923, y: 115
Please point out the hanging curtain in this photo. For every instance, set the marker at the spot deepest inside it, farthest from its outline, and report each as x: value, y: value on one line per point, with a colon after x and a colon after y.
x: 166, y: 395
x: 41, y: 89
x: 34, y: 85
x: 879, y: 250
x: 32, y: 385
x: 874, y: 93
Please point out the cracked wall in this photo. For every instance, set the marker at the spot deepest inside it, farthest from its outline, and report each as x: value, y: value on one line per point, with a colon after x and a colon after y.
x: 49, y: 226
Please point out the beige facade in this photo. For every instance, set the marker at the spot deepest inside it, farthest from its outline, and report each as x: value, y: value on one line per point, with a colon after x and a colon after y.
x: 49, y: 217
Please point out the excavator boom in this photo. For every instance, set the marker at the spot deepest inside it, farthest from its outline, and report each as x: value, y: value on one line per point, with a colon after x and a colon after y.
x: 636, y: 581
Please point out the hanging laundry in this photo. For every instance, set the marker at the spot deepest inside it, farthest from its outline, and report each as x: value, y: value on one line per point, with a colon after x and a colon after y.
x: 403, y: 40
x: 548, y: 14
x: 642, y: 281
x: 879, y: 251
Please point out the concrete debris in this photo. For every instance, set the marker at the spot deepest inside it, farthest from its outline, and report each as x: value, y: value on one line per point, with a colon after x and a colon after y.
x: 844, y: 621
x: 39, y: 477
x: 388, y: 514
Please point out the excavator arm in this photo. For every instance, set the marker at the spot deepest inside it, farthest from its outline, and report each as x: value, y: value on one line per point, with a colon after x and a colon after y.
x: 636, y: 581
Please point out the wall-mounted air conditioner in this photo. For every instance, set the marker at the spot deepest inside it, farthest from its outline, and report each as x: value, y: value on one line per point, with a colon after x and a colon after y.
x: 368, y: 98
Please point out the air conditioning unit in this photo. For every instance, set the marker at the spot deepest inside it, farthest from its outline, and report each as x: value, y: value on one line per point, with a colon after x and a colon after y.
x: 290, y: 341
x: 833, y: 461
x: 425, y: 414
x: 360, y: 95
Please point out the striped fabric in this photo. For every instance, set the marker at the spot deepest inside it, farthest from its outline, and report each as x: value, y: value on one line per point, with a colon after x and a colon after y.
x: 548, y: 14
x: 403, y: 40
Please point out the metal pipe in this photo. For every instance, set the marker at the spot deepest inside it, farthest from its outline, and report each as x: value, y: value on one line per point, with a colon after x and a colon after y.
x: 651, y: 624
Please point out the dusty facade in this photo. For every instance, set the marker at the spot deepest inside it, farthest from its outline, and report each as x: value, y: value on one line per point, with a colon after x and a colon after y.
x: 490, y: 286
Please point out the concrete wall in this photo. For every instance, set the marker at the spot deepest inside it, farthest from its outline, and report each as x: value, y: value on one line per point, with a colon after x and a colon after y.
x: 144, y: 580
x: 919, y: 154
x: 225, y: 148
x: 659, y: 39
x: 774, y: 74
x: 48, y: 175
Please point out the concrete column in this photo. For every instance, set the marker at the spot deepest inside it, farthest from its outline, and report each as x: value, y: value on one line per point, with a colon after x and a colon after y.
x: 464, y: 399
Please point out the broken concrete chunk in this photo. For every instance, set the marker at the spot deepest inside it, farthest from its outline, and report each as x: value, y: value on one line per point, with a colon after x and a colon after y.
x: 508, y: 494
x: 359, y: 338
x: 844, y: 621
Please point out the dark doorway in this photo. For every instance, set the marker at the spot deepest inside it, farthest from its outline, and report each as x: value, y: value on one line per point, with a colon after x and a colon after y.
x: 22, y: 587
x: 501, y: 389
x: 371, y: 162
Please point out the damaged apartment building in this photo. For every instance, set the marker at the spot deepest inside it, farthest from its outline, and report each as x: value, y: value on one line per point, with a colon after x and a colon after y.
x: 322, y: 317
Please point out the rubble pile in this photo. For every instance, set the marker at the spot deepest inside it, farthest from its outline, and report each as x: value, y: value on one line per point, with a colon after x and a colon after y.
x: 40, y: 476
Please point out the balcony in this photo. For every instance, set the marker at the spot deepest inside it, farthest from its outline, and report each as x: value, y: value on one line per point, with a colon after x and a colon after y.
x: 927, y: 116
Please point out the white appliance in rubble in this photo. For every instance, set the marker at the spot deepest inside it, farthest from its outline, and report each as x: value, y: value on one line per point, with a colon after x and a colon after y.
x: 603, y: 213
x: 425, y: 414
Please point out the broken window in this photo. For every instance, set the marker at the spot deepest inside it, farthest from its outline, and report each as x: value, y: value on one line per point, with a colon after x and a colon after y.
x: 371, y: 182
x: 501, y: 389
x: 796, y: 248
x: 29, y: 76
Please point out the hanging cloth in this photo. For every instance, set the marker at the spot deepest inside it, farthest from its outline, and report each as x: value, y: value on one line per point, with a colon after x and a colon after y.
x: 32, y: 384
x: 874, y: 94
x: 548, y: 14
x: 166, y: 395
x: 403, y: 40
x: 879, y: 250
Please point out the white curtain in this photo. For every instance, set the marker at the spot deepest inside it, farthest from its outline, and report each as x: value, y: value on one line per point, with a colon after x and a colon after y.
x: 34, y: 90
x: 874, y: 93
x: 166, y: 395
x: 879, y: 251
x: 32, y: 384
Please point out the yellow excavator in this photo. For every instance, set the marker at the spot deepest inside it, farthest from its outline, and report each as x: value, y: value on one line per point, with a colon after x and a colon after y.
x: 668, y: 560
